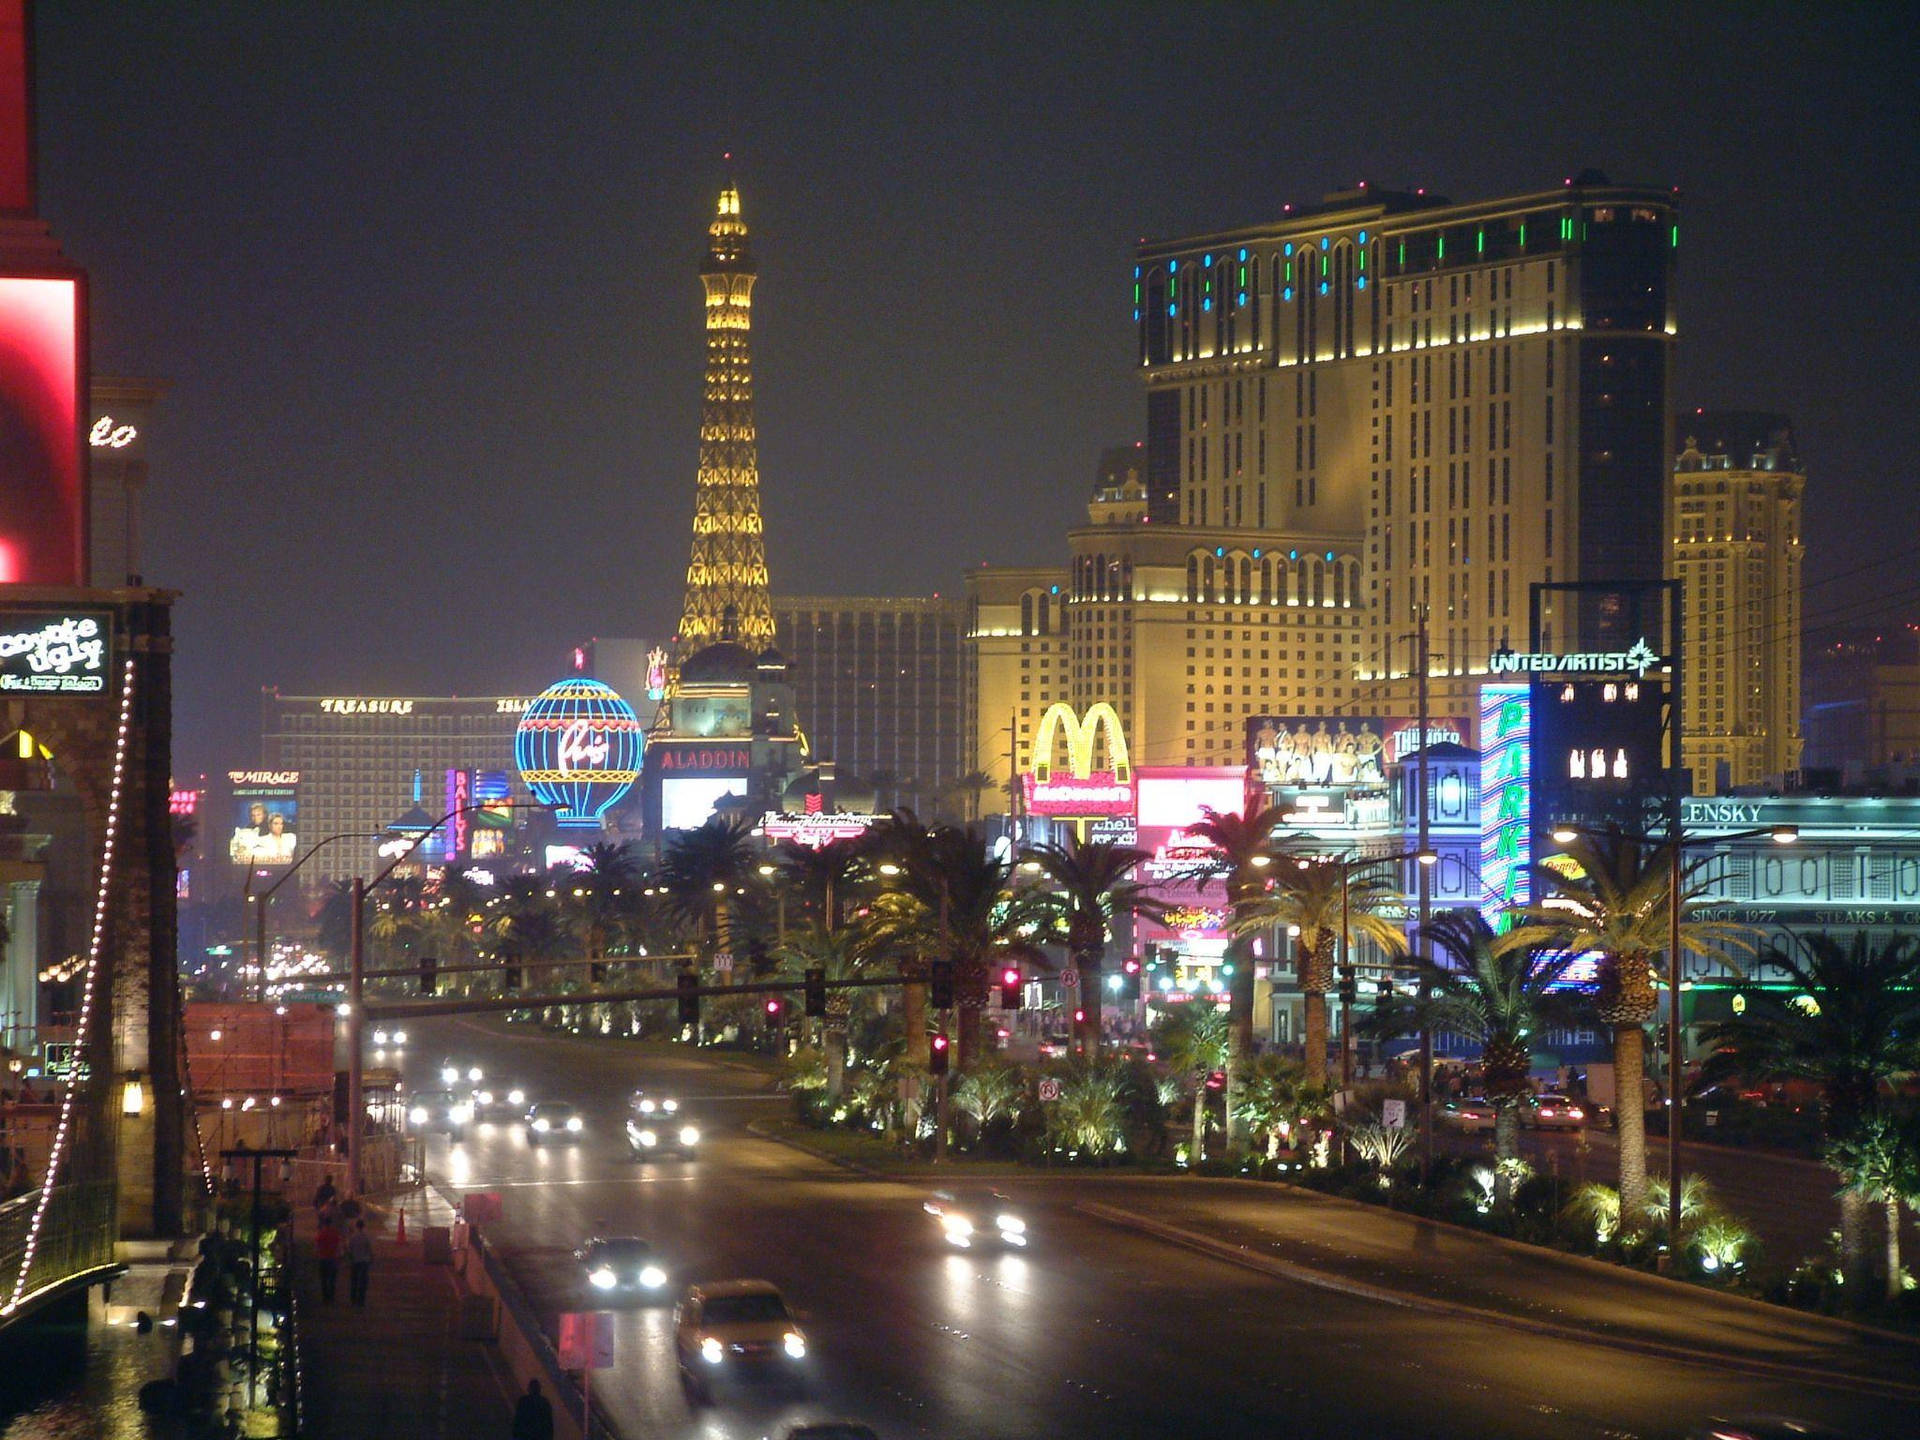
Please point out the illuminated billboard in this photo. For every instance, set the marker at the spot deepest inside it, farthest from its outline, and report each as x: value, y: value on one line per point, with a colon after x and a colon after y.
x: 1172, y: 800
x: 266, y: 817
x: 43, y: 502
x: 815, y: 830
x: 1320, y: 752
x: 686, y: 802
x: 1085, y: 791
x: 1506, y: 800
x: 55, y: 652
x: 578, y: 748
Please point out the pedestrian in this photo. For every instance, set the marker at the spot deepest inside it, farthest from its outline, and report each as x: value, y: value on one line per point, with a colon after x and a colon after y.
x: 359, y: 1262
x: 533, y: 1415
x: 323, y: 1196
x: 326, y: 1251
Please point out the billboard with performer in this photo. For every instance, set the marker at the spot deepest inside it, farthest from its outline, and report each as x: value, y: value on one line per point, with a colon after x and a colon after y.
x: 266, y: 817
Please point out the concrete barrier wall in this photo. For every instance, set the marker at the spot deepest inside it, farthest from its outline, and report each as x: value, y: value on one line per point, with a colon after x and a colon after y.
x: 523, y: 1346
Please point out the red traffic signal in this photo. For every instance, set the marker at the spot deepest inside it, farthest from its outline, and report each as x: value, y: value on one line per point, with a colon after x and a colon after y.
x: 937, y: 1053
x: 1217, y: 1080
x: 773, y: 1008
x: 1010, y: 988
x: 1130, y: 965
x: 1010, y: 975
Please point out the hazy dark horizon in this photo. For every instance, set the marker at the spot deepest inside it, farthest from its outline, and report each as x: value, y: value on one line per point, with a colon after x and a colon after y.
x: 423, y: 279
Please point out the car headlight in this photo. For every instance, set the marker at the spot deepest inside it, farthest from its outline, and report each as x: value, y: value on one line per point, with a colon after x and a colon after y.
x: 957, y: 1225
x: 604, y: 1278
x: 540, y: 1125
x: 711, y: 1350
x: 399, y: 1037
x: 484, y: 1097
x: 476, y: 1074
x: 670, y: 1106
x: 689, y: 1135
x: 653, y: 1277
x: 646, y: 1107
x: 647, y: 1138
x: 448, y: 1074
x: 461, y: 1114
x: 379, y: 1037
x: 1013, y: 1224
x: 418, y: 1114
x: 795, y: 1344
x: 576, y: 1124
x: 516, y: 1097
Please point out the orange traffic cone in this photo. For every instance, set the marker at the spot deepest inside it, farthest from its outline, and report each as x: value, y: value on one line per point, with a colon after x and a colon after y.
x: 400, y: 1232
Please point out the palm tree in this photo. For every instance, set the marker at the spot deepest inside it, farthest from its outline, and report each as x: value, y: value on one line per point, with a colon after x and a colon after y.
x: 953, y: 900
x: 1090, y: 1116
x: 1195, y: 1039
x: 986, y: 1092
x: 1496, y: 989
x: 970, y: 787
x: 1317, y: 898
x: 703, y: 868
x: 823, y: 879
x: 1848, y: 1020
x: 841, y: 955
x: 1279, y: 1099
x: 1245, y: 845
x: 1091, y: 884
x: 1616, y: 907
x: 601, y: 887
x: 1881, y: 1160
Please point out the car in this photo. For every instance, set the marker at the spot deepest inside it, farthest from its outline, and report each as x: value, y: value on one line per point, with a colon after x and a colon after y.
x: 554, y: 1120
x: 736, y: 1331
x: 830, y: 1430
x: 505, y: 1100
x: 1474, y: 1112
x: 383, y: 1039
x: 446, y: 1110
x: 648, y: 1137
x: 966, y: 1225
x: 1553, y: 1111
x: 455, y: 1072
x: 621, y: 1265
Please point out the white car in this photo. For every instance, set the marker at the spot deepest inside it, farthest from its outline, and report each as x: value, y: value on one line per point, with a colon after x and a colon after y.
x: 620, y: 1265
x: 736, y: 1331
x: 1553, y: 1111
x: 554, y: 1120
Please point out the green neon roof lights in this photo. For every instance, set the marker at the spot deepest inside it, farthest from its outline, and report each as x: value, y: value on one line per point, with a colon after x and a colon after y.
x: 1480, y: 241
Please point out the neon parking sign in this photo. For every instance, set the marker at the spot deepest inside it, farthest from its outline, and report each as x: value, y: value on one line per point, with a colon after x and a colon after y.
x: 1506, y: 806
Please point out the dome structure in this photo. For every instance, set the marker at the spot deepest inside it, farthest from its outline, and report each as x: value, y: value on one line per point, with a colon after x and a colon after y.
x: 724, y: 663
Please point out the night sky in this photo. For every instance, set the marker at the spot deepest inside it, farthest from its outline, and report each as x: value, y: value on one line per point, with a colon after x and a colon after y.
x: 423, y: 278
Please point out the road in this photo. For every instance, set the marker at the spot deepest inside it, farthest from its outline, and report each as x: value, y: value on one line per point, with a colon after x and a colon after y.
x: 1095, y: 1332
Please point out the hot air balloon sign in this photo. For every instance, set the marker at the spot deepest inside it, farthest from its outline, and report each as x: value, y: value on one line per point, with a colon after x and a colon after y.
x: 578, y: 748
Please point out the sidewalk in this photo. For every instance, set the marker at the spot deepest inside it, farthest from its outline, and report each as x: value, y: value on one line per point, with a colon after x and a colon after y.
x: 1403, y: 1260
x: 398, y: 1367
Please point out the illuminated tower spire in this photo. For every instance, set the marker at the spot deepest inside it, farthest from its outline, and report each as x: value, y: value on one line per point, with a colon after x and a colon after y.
x: 727, y: 594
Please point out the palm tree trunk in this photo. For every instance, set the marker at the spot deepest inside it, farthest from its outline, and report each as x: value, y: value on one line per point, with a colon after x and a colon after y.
x: 836, y: 1048
x: 913, y: 1017
x: 1893, y: 1249
x: 1630, y: 1118
x: 1854, y: 1264
x: 1240, y: 1036
x: 1506, y: 1149
x: 1199, y: 1119
x: 1314, y: 965
x: 1087, y: 962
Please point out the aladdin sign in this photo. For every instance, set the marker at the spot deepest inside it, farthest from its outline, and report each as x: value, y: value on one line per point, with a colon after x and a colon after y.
x: 1085, y: 793
x: 1636, y: 660
x: 709, y: 759
x: 55, y: 652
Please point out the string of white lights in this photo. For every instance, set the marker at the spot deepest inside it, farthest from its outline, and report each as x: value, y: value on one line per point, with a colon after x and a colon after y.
x: 82, y: 1033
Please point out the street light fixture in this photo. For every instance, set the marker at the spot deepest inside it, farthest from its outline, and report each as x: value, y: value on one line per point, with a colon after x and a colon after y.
x: 1676, y: 842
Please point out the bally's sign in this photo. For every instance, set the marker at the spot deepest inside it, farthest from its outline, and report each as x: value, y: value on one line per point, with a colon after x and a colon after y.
x: 1635, y: 660
x: 55, y: 652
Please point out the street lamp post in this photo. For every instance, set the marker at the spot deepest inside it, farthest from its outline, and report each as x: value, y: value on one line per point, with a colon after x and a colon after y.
x: 253, y: 1259
x: 260, y: 901
x: 1348, y: 864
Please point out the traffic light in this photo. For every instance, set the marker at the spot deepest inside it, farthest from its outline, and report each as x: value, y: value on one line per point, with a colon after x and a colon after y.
x: 597, y: 973
x: 816, y: 992
x: 1010, y: 988
x: 776, y: 1010
x: 940, y: 984
x: 688, y: 984
x: 429, y: 975
x: 937, y: 1053
x: 510, y: 977
x: 1349, y: 988
x: 1129, y: 979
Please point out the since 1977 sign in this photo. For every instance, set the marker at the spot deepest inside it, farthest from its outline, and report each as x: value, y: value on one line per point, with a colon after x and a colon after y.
x: 55, y: 652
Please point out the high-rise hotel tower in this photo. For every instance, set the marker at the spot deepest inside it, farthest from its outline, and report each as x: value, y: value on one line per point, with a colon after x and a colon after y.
x: 1471, y: 397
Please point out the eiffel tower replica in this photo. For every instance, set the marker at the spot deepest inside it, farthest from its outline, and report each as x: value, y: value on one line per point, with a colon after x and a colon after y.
x: 727, y: 594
